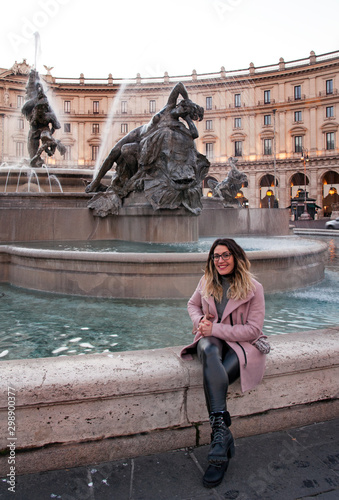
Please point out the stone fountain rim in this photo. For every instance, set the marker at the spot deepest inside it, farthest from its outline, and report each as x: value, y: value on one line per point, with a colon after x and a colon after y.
x: 316, y: 247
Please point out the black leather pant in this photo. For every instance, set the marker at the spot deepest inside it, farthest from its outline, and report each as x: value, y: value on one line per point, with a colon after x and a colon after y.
x: 220, y: 369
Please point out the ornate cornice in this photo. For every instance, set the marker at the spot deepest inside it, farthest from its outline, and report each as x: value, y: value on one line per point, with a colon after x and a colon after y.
x: 323, y: 161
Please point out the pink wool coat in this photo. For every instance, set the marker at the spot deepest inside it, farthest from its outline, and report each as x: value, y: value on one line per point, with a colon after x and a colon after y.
x: 247, y: 318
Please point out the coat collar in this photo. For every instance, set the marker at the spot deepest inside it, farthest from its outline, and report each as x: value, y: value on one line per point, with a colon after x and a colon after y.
x: 231, y: 305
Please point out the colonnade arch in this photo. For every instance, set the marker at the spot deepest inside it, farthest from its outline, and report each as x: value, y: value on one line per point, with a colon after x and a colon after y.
x: 297, y: 183
x: 267, y: 191
x: 260, y: 189
x: 330, y: 191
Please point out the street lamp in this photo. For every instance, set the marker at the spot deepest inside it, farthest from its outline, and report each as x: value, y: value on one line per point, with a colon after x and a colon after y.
x: 304, y: 158
x: 276, y: 194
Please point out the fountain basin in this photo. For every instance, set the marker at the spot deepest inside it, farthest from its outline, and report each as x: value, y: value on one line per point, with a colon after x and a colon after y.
x: 151, y: 275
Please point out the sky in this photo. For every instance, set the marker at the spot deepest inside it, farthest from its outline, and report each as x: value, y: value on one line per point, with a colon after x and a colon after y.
x: 126, y: 37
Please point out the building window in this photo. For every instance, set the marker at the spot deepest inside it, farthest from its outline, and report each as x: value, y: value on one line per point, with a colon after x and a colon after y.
x: 123, y: 106
x: 267, y: 146
x: 21, y: 124
x: 95, y: 107
x: 297, y: 116
x: 237, y: 100
x: 297, y: 92
x: 95, y: 152
x: 95, y: 128
x: 209, y: 150
x: 209, y: 125
x: 152, y: 106
x: 208, y: 102
x: 267, y: 96
x: 67, y: 127
x: 237, y: 122
x: 20, y: 101
x: 267, y: 119
x: 124, y: 128
x: 67, y: 106
x: 238, y: 148
x: 329, y: 111
x: 298, y: 144
x: 329, y: 86
x: 330, y: 140
x: 68, y: 154
x: 19, y: 149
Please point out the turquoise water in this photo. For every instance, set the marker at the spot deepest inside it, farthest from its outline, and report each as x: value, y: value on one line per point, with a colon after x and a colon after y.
x: 37, y: 324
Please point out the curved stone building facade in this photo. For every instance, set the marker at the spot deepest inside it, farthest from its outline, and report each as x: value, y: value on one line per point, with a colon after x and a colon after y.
x: 280, y: 121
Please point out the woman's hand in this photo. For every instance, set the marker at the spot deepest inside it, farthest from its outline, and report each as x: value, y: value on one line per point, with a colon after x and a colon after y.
x: 205, y: 326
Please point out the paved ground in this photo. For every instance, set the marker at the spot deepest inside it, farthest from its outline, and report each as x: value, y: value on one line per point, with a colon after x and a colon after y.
x: 299, y: 463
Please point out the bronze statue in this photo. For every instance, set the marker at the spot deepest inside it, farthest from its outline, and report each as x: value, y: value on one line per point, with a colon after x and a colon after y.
x: 43, y: 122
x: 159, y: 159
x: 229, y: 187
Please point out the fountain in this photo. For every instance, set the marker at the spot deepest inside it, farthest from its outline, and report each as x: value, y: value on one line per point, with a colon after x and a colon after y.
x: 155, y: 196
x: 109, y: 392
x: 80, y: 324
x: 43, y: 123
x: 39, y: 180
x: 158, y: 169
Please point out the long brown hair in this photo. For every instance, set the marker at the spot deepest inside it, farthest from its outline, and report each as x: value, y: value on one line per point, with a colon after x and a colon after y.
x: 240, y: 280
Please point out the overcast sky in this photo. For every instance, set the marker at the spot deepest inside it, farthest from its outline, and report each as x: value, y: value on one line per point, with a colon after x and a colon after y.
x: 126, y: 37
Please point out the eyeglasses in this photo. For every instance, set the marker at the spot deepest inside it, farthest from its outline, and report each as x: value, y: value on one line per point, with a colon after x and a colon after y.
x: 223, y: 256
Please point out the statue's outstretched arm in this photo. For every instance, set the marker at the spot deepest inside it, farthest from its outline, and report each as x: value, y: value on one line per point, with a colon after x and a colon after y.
x: 179, y: 89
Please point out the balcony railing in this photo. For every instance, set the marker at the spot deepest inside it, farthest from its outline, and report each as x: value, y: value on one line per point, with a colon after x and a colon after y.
x: 71, y: 112
x: 266, y: 103
x: 323, y: 93
x: 101, y: 112
x: 222, y: 74
x: 237, y: 106
x: 293, y: 98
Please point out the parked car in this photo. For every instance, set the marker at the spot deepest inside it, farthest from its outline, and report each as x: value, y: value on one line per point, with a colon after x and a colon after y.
x: 332, y: 224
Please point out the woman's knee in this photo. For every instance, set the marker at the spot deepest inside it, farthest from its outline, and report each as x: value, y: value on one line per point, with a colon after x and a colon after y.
x: 208, y: 347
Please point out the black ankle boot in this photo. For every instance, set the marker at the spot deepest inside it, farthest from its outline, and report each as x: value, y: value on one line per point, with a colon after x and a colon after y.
x: 222, y: 444
x: 214, y: 474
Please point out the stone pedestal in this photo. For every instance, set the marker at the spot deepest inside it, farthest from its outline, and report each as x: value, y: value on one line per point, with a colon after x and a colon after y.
x: 138, y: 221
x: 65, y: 216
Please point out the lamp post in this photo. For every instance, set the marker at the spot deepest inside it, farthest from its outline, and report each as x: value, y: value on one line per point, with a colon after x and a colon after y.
x: 276, y: 194
x: 304, y: 158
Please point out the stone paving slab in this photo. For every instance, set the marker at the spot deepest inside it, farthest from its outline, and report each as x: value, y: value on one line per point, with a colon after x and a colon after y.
x: 297, y: 464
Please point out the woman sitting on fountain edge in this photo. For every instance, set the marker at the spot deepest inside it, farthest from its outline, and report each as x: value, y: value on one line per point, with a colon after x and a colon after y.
x: 227, y: 310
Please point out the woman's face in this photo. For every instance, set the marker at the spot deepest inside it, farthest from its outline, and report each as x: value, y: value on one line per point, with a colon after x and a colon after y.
x: 224, y: 263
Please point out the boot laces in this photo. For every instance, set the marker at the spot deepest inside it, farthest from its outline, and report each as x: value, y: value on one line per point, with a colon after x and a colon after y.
x: 218, y: 429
